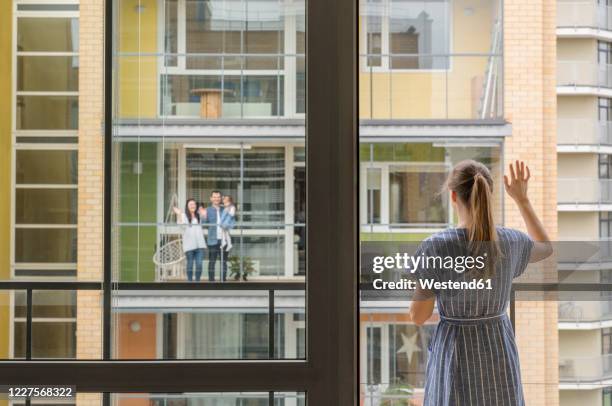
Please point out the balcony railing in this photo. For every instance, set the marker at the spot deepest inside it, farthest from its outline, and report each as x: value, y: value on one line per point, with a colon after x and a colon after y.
x: 585, y: 311
x: 427, y: 86
x: 585, y: 369
x: 578, y: 253
x: 583, y: 14
x: 584, y: 132
x: 260, y: 251
x: 584, y: 191
x: 584, y: 73
x: 211, y: 86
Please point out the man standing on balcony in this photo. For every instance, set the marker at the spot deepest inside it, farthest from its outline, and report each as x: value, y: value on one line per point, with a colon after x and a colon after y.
x: 212, y: 216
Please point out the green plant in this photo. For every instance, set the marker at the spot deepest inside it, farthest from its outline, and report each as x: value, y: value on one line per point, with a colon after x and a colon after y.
x: 395, y: 392
x: 240, y: 267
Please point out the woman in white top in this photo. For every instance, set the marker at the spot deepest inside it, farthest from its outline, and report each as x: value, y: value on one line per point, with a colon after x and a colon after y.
x: 193, y: 238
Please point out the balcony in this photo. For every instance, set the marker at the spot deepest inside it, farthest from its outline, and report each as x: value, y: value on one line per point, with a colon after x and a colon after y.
x: 584, y: 194
x: 583, y: 14
x: 211, y: 86
x: 578, y: 315
x: 431, y: 87
x: 593, y: 370
x: 259, y: 253
x: 576, y: 254
x: 584, y: 78
x: 577, y: 135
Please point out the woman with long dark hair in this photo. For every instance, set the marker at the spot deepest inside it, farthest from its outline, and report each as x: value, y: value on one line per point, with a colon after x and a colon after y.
x: 473, y: 359
x: 193, y: 238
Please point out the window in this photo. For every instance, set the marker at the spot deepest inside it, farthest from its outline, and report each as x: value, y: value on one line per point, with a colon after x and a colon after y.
x: 234, y: 55
x: 402, y: 183
x: 406, y: 34
x: 605, y: 166
x: 45, y: 149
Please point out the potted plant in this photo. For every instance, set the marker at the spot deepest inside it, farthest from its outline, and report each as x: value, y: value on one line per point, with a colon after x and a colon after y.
x: 235, y: 267
x: 398, y: 394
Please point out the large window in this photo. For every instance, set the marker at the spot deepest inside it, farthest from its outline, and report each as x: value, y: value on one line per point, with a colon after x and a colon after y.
x: 243, y: 57
x: 45, y: 154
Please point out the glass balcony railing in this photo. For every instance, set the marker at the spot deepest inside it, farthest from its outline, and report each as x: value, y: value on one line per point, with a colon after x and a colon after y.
x: 584, y: 14
x: 585, y: 311
x: 584, y: 132
x: 420, y: 86
x: 585, y: 369
x: 211, y: 86
x: 578, y: 253
x: 584, y: 73
x: 149, y: 252
x: 584, y: 191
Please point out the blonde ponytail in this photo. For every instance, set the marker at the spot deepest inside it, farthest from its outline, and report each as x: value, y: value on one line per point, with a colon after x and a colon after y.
x: 473, y: 184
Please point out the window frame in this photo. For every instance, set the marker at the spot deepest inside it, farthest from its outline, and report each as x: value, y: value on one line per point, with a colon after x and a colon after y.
x: 329, y: 375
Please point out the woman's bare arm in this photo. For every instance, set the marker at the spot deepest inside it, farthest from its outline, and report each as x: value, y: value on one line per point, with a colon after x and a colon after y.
x: 516, y: 187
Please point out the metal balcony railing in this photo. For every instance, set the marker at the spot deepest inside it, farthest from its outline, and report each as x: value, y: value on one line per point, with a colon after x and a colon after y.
x: 578, y: 131
x: 584, y: 191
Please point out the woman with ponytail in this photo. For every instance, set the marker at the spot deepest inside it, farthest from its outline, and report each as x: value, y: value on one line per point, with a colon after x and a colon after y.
x: 473, y: 359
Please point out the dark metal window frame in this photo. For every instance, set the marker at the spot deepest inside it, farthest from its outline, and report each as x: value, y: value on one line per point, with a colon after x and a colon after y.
x: 329, y: 375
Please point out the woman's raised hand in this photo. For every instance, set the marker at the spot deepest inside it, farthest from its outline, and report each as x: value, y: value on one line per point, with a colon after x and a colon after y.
x: 516, y: 185
x: 177, y: 211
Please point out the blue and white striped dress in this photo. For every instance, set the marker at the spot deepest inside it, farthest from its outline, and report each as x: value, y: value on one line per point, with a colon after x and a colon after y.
x: 473, y: 359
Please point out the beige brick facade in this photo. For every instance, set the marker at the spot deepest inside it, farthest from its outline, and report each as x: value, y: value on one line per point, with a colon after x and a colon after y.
x: 530, y: 105
x: 91, y: 176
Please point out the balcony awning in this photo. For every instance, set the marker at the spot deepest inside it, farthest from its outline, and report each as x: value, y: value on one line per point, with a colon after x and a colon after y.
x: 292, y: 131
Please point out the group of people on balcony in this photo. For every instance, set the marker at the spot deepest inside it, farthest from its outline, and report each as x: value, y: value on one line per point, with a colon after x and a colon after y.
x: 220, y: 217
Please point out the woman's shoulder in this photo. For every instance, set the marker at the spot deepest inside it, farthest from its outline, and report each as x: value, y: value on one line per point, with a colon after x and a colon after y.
x: 512, y: 234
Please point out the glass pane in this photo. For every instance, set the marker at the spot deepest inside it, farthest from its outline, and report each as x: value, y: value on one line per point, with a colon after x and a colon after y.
x: 54, y: 324
x: 47, y: 113
x: 48, y: 73
x: 45, y: 245
x: 38, y: 167
x: 45, y: 206
x: 430, y: 60
x: 192, y: 127
x: 61, y: 34
x: 12, y: 302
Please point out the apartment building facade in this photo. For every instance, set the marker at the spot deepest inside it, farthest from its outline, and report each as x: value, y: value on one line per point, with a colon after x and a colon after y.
x: 211, y: 95
x: 583, y: 41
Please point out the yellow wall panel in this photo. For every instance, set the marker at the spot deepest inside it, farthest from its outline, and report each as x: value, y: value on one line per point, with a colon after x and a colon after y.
x: 6, y: 24
x: 138, y: 82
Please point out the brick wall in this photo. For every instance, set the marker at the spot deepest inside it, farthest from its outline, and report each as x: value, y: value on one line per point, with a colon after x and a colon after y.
x: 91, y: 176
x: 530, y: 105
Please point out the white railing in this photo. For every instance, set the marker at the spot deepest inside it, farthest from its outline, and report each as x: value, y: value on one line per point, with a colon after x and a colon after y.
x: 584, y: 190
x: 584, y: 311
x: 585, y: 369
x: 583, y: 73
x: 583, y: 14
x: 578, y: 131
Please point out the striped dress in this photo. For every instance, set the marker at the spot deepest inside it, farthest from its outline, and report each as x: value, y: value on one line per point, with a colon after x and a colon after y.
x: 473, y: 359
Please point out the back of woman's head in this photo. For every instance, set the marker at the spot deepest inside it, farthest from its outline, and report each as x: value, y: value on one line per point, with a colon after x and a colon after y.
x: 473, y: 184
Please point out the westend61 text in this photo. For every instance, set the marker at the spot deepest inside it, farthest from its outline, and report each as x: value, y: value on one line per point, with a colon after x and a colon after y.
x: 431, y: 284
